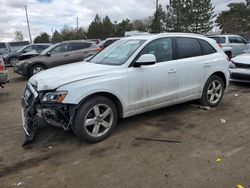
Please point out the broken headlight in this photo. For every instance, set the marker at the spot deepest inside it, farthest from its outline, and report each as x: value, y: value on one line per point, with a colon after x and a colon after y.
x: 54, y: 97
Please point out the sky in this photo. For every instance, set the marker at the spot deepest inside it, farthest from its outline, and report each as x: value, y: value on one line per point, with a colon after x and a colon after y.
x: 51, y: 15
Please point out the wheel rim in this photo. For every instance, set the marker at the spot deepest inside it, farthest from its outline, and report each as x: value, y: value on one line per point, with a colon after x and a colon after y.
x: 37, y: 70
x: 214, y: 93
x: 13, y: 61
x: 98, y: 120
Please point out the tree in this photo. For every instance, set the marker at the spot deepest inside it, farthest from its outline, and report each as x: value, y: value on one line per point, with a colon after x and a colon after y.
x: 57, y: 37
x: 108, y: 28
x: 95, y: 28
x: 236, y: 19
x: 42, y: 38
x: 122, y: 27
x: 142, y: 24
x: 157, y: 25
x: 18, y: 36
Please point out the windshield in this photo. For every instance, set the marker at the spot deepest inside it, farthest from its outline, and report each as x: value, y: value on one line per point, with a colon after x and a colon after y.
x: 117, y: 53
x: 44, y: 52
x: 21, y: 49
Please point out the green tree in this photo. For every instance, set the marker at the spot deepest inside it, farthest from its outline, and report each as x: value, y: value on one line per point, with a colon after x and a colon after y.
x: 122, y: 27
x: 57, y: 37
x: 42, y: 38
x: 108, y: 28
x: 158, y: 21
x: 142, y: 24
x: 236, y: 19
x: 95, y: 28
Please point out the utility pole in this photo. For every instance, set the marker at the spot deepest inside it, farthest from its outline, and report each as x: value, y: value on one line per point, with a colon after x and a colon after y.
x: 28, y: 23
x: 77, y: 23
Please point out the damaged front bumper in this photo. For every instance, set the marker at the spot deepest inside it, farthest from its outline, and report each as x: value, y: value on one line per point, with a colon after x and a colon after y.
x: 58, y: 115
x: 240, y: 74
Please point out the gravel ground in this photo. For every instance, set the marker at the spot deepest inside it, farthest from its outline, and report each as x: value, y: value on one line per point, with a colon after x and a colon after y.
x: 209, y: 151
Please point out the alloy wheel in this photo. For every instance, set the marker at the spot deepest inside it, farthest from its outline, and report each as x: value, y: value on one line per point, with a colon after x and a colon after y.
x: 214, y: 92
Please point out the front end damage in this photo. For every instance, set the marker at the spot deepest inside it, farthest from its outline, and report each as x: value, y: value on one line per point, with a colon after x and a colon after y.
x: 34, y: 109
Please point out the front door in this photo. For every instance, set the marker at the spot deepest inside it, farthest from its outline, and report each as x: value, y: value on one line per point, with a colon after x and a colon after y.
x: 154, y: 85
x: 60, y: 55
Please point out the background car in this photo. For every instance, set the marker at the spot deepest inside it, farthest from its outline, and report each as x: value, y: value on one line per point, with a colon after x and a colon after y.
x: 240, y: 67
x: 105, y: 43
x: 12, y: 57
x: 7, y: 47
x: 232, y: 45
x: 56, y: 55
x: 3, y: 73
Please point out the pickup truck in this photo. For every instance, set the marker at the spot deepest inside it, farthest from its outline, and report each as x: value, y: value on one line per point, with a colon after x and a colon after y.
x: 7, y: 47
x: 232, y: 45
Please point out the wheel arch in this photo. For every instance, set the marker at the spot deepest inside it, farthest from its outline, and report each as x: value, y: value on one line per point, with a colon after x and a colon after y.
x: 34, y: 64
x: 222, y: 76
x: 108, y: 95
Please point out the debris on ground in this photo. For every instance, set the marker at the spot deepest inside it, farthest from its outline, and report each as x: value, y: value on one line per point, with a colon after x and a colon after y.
x: 236, y: 95
x: 222, y: 120
x: 50, y: 147
x: 19, y: 183
x: 201, y: 107
x: 240, y: 186
x: 159, y: 140
x: 218, y: 160
x: 76, y: 163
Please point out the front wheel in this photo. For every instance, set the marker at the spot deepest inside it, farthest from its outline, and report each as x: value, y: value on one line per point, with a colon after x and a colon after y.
x: 13, y: 61
x: 213, y: 91
x: 36, y: 69
x: 95, y: 119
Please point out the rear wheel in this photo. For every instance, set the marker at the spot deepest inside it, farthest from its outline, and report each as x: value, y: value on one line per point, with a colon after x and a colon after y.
x: 36, y: 69
x: 95, y: 119
x: 213, y: 91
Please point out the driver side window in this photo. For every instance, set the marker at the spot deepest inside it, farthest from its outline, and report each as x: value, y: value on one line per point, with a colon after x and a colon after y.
x: 161, y: 48
x: 60, y: 49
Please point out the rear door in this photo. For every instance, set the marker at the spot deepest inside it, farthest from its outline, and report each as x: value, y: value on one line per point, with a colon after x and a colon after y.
x: 59, y: 55
x: 81, y: 50
x: 190, y: 67
x: 238, y: 45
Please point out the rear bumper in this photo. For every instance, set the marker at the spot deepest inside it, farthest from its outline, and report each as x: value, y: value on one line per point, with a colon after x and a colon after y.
x: 4, y: 77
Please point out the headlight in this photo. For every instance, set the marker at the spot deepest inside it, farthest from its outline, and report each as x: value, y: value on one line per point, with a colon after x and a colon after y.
x: 232, y: 65
x: 54, y: 97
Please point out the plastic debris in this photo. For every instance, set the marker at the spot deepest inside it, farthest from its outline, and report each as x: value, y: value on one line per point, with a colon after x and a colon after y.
x: 76, y: 163
x: 236, y: 95
x: 19, y: 183
x: 201, y: 107
x: 218, y: 160
x: 50, y: 147
x: 222, y: 120
x: 240, y: 186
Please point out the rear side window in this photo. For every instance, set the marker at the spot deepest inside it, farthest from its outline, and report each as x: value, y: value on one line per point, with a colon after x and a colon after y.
x: 2, y: 45
x: 79, y: 46
x: 236, y: 40
x: 187, y: 47
x: 206, y: 48
x: 41, y: 47
x: 219, y: 40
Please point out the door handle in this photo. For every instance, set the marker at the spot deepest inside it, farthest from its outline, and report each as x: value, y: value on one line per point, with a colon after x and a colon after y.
x: 207, y: 65
x: 171, y: 71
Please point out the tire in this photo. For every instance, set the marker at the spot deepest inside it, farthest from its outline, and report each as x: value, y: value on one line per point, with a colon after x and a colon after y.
x: 212, y: 88
x: 13, y: 61
x: 100, y: 124
x: 36, y: 69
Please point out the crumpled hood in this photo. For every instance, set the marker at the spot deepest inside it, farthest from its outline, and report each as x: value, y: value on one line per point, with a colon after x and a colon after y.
x: 244, y: 59
x: 59, y: 76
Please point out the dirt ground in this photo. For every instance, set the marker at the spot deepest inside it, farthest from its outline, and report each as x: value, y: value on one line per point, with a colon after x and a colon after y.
x: 210, y: 153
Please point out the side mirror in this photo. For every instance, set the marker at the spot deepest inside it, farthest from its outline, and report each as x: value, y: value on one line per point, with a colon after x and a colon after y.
x: 48, y: 54
x: 146, y: 59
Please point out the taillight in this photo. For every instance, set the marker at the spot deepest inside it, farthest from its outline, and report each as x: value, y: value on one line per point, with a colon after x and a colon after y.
x: 1, y: 67
x: 98, y: 49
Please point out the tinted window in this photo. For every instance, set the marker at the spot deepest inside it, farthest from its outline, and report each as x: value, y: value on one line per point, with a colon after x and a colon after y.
x: 161, y: 48
x: 2, y: 45
x: 79, y: 46
x: 206, y: 48
x: 219, y: 40
x: 187, y: 47
x: 60, y: 49
x: 40, y: 48
x: 236, y: 40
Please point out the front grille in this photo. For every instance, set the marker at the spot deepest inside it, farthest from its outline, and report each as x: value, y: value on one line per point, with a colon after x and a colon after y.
x: 241, y: 65
x: 30, y: 94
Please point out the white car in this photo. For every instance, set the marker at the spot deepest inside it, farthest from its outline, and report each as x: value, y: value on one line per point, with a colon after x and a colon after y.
x: 240, y: 68
x: 132, y: 76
